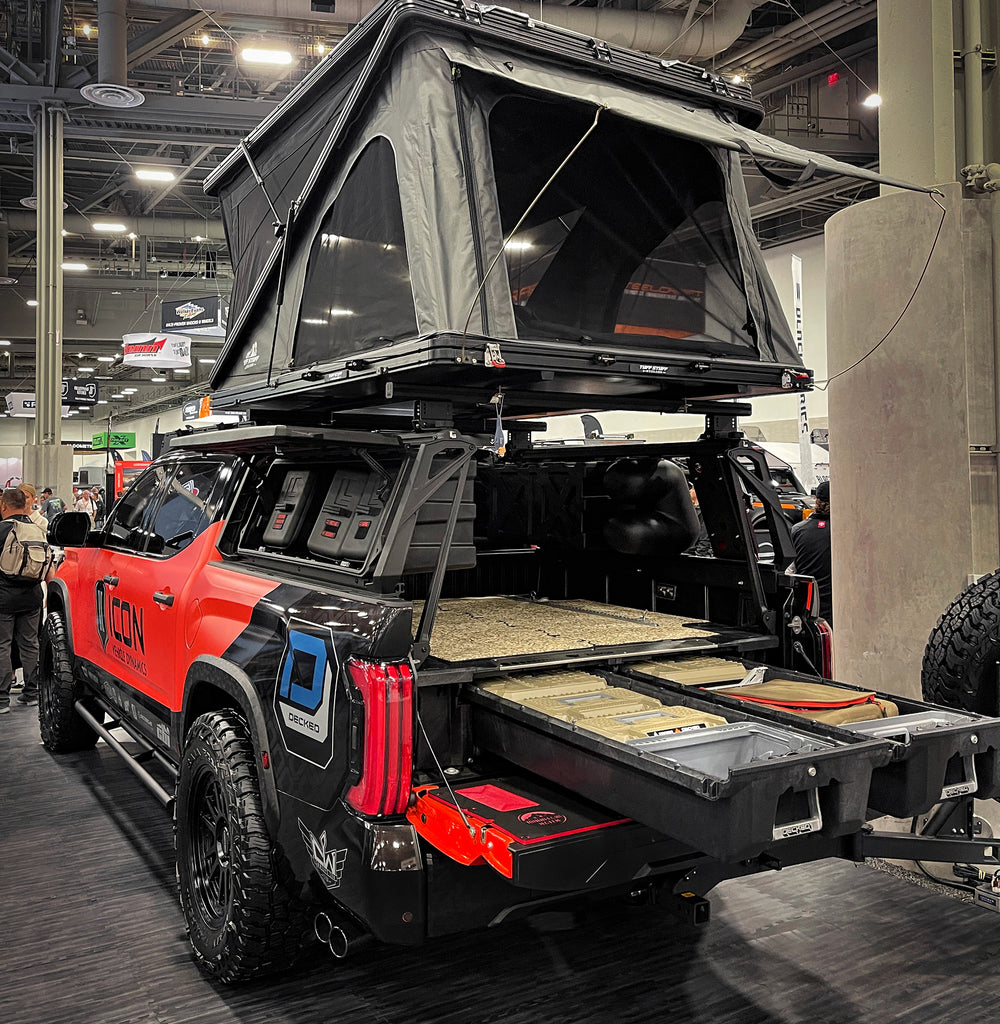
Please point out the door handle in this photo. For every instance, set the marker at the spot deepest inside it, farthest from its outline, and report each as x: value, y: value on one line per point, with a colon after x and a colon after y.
x: 160, y: 598
x: 112, y: 581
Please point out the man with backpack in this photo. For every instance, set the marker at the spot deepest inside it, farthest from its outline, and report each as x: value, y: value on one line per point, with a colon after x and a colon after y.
x: 25, y: 561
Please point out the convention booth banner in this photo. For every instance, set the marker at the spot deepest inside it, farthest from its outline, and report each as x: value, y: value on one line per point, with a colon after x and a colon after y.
x: 117, y: 439
x: 23, y: 403
x: 166, y: 351
x: 198, y: 409
x: 205, y: 316
x: 77, y: 391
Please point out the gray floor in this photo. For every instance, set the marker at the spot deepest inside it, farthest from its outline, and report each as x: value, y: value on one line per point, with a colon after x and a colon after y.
x: 92, y: 935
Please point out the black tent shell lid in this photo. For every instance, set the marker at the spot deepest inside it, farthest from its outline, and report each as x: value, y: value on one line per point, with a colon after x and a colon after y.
x: 375, y: 34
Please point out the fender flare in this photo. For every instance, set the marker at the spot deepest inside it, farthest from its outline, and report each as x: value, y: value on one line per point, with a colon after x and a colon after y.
x: 57, y: 593
x: 233, y: 681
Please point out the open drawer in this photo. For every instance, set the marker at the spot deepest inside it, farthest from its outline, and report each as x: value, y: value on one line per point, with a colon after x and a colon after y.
x: 731, y: 797
x: 937, y: 753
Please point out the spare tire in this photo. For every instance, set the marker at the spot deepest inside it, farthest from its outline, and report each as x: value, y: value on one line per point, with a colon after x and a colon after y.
x: 962, y: 654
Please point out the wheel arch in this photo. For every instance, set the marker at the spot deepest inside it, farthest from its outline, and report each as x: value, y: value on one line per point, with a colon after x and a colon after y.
x: 57, y: 600
x: 213, y: 684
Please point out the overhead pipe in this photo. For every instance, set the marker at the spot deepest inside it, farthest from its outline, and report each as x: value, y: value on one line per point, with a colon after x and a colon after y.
x: 152, y: 227
x: 790, y: 39
x: 111, y: 88
x: 655, y: 32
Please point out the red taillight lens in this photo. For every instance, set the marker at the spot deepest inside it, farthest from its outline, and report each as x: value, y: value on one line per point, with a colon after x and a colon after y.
x: 387, y: 692
x: 825, y: 648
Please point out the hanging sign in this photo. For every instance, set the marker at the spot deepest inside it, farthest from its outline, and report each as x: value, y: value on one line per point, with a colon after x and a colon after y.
x: 23, y: 403
x: 197, y: 409
x: 205, y: 316
x: 80, y: 391
x: 167, y: 351
x: 117, y: 439
x: 806, y: 471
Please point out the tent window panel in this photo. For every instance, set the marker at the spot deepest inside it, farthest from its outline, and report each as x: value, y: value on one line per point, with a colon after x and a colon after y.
x: 632, y: 238
x: 357, y: 290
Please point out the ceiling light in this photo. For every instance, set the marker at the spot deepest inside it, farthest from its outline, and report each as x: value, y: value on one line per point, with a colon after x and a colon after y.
x: 152, y: 174
x: 320, y: 49
x: 185, y: 370
x: 132, y: 236
x: 341, y: 312
x: 874, y: 100
x: 119, y: 395
x: 74, y: 266
x: 87, y: 30
x: 206, y: 40
x: 129, y: 391
x: 197, y: 238
x: 102, y: 401
x: 206, y: 360
x: 5, y: 342
x: 514, y: 246
x: 313, y: 320
x: 104, y: 225
x: 32, y: 302
x: 86, y: 369
x: 254, y: 55
x: 64, y: 232
x: 158, y: 380
x: 105, y: 359
x: 738, y: 79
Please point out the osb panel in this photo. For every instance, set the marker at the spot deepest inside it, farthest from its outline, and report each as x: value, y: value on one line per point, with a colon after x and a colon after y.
x: 470, y: 628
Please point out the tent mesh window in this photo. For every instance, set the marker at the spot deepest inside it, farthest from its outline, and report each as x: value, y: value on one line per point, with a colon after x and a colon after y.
x: 357, y: 289
x: 633, y: 237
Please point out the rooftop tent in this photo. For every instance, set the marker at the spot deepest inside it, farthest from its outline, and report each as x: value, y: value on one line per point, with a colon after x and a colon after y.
x: 492, y: 181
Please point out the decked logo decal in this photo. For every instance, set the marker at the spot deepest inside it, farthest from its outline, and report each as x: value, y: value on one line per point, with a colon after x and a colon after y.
x: 121, y: 627
x: 329, y: 864
x: 305, y: 696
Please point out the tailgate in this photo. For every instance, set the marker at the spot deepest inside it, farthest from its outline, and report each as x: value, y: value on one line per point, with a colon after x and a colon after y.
x: 730, y: 789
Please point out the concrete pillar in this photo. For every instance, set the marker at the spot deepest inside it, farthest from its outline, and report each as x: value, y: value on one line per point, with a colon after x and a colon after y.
x: 914, y: 510
x: 916, y: 79
x: 49, y: 323
x: 50, y: 465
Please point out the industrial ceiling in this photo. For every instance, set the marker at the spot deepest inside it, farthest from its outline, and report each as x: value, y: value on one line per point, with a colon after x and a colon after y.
x: 811, y: 62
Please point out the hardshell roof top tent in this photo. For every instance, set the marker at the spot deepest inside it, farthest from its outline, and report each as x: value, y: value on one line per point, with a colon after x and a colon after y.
x: 461, y: 200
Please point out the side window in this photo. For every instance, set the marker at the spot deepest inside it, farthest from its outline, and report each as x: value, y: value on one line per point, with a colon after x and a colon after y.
x: 128, y: 525
x: 357, y: 287
x: 187, y: 507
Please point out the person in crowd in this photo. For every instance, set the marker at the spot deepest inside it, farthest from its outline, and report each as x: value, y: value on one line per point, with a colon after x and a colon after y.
x: 97, y: 493
x: 703, y: 543
x: 85, y: 503
x: 51, y: 505
x: 20, y: 611
x: 811, y: 538
x: 32, y: 507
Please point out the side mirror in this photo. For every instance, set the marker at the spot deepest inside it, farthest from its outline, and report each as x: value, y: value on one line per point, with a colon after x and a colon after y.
x: 69, y: 529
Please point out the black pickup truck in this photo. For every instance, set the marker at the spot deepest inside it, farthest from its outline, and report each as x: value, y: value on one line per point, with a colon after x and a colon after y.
x: 397, y: 670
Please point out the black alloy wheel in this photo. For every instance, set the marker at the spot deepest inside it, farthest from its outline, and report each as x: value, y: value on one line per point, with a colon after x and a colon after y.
x: 241, y: 920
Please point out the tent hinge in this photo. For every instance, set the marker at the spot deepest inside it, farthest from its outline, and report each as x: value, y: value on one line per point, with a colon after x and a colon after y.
x: 471, y: 12
x: 601, y: 50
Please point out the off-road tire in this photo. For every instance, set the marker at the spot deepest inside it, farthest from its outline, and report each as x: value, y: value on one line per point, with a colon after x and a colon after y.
x: 62, y: 729
x: 240, y: 919
x: 960, y: 661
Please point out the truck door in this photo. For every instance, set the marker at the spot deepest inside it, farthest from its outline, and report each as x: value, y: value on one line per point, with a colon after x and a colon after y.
x: 153, y: 546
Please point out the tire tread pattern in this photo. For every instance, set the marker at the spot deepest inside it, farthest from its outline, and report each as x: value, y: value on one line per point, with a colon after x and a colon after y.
x: 62, y: 729
x: 265, y: 930
x: 959, y: 667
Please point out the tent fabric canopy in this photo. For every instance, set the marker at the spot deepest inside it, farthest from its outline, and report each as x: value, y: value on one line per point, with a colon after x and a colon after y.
x: 643, y: 239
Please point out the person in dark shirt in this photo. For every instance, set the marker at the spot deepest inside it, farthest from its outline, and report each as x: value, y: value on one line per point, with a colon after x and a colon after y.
x: 811, y: 538
x: 20, y: 611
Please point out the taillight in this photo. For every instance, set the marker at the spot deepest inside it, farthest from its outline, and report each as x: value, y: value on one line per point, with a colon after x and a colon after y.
x: 387, y: 759
x: 825, y: 648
